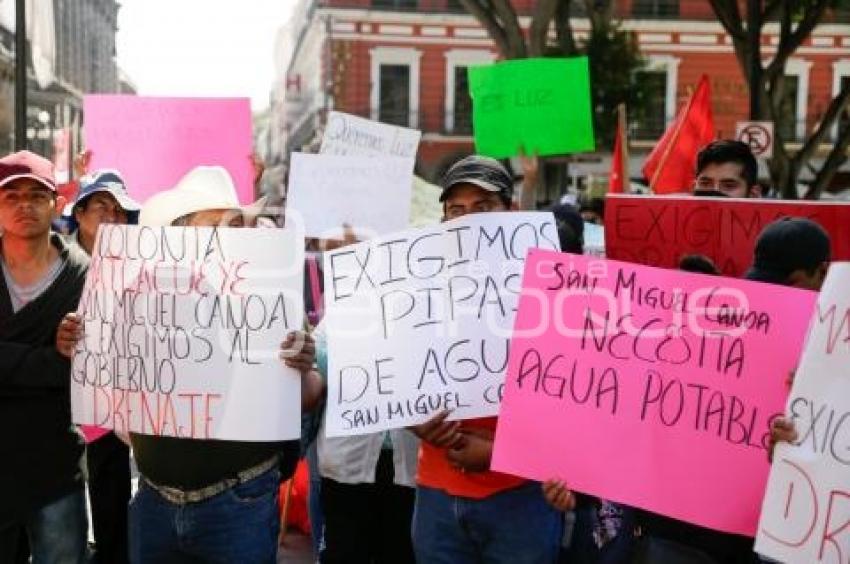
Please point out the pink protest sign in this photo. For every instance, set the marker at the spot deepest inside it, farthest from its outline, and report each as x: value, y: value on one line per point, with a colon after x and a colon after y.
x: 153, y: 142
x: 649, y: 387
x: 92, y: 432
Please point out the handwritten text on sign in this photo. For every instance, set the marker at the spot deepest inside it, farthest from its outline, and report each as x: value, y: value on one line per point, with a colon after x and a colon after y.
x: 806, y: 512
x: 182, y: 332
x: 657, y: 231
x: 350, y: 135
x: 649, y: 387
x: 420, y: 321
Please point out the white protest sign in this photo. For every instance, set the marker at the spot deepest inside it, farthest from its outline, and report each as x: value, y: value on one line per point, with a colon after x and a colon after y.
x: 806, y: 510
x: 594, y: 240
x: 420, y: 320
x: 350, y: 135
x: 182, y: 332
x: 370, y: 195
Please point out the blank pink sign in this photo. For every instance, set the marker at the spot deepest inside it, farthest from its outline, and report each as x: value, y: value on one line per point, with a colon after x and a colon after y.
x: 153, y: 141
x: 649, y: 387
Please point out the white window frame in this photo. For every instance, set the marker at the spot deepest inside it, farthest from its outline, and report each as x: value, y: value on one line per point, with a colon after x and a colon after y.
x: 460, y: 58
x: 395, y: 56
x: 840, y: 69
x: 670, y: 65
x: 800, y: 68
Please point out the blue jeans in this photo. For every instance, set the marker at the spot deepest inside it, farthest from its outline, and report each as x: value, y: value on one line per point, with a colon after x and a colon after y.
x: 56, y: 533
x: 240, y: 524
x: 516, y: 526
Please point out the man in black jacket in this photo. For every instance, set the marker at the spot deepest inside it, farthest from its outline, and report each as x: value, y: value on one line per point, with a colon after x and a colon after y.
x: 41, y: 483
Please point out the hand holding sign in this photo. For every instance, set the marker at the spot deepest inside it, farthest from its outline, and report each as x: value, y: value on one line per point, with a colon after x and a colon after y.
x: 182, y: 332
x: 669, y: 378
x: 806, y: 509
x: 418, y: 322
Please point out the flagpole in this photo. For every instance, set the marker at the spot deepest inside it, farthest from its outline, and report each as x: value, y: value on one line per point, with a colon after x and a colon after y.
x: 20, y: 75
x: 624, y: 147
x: 669, y: 148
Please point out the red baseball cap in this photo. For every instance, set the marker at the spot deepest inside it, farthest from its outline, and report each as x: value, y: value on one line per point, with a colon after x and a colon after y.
x: 26, y: 164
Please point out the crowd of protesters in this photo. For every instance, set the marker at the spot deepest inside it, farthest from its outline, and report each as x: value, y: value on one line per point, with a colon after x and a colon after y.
x: 424, y: 494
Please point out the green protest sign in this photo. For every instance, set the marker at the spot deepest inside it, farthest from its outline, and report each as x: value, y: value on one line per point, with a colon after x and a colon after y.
x: 539, y: 105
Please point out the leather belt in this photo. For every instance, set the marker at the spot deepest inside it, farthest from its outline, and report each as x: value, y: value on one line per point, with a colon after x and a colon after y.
x: 182, y: 497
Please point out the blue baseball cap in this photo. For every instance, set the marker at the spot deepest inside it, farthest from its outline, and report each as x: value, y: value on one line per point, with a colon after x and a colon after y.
x: 104, y: 180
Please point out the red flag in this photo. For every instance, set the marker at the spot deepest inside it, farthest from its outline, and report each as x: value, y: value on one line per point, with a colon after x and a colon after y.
x: 671, y: 165
x: 618, y: 176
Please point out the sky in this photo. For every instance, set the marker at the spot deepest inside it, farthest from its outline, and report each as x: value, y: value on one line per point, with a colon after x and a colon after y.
x: 201, y: 47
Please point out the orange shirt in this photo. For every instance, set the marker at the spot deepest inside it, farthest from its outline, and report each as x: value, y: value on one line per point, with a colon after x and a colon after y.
x: 436, y: 472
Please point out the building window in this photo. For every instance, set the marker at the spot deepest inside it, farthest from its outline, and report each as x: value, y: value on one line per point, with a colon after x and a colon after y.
x: 395, y: 85
x: 655, y: 8
x: 795, y: 102
x: 394, y: 4
x: 458, y: 104
x: 394, y: 98
x: 788, y: 109
x: 454, y: 6
x: 840, y: 80
x: 651, y: 123
x: 462, y: 103
x: 662, y: 78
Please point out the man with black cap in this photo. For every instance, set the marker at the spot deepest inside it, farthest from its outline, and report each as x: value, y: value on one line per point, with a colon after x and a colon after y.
x: 792, y: 251
x: 41, y: 483
x: 464, y: 512
x: 103, y: 198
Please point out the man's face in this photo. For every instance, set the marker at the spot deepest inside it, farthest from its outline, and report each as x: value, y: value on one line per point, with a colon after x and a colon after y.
x: 727, y: 178
x: 100, y: 207
x: 809, y: 280
x: 217, y: 218
x: 27, y: 208
x: 468, y: 198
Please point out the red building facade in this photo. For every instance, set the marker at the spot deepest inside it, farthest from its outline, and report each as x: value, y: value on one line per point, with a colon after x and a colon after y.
x: 404, y: 62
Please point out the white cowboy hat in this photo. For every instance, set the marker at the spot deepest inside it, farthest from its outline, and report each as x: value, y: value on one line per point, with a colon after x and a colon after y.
x: 203, y: 188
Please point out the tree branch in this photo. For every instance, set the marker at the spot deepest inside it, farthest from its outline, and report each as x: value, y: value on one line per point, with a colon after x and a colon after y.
x: 730, y: 17
x: 481, y: 12
x: 510, y: 24
x: 810, y: 147
x: 835, y: 159
x: 790, y: 40
x: 770, y: 9
x: 564, y: 30
x: 538, y: 33
x: 833, y: 112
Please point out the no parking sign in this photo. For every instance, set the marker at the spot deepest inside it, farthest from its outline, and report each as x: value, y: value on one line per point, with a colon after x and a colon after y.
x: 758, y: 135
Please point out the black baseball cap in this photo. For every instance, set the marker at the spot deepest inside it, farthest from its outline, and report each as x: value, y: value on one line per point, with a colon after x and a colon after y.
x: 484, y: 172
x: 786, y: 245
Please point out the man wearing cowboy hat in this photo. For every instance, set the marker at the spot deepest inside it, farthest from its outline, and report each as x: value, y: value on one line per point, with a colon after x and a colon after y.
x: 209, y: 500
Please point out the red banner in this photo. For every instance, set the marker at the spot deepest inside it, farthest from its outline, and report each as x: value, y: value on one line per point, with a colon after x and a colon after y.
x: 658, y: 231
